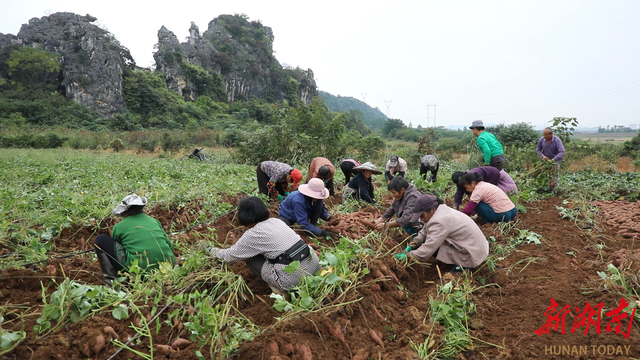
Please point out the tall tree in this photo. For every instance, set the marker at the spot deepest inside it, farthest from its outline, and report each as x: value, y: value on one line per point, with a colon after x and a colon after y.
x: 31, y: 66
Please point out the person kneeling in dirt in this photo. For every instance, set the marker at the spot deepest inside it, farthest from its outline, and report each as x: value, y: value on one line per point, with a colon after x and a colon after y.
x: 404, y: 197
x: 447, y: 234
x: 499, y: 178
x: 268, y: 246
x: 137, y: 236
x: 305, y: 207
x: 361, y: 186
x: 487, y: 200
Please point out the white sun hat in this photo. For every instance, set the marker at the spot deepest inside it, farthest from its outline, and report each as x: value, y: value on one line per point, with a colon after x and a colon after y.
x: 315, y: 189
x: 129, y: 200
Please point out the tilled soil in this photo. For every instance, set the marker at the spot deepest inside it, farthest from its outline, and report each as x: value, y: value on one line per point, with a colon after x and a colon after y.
x: 511, y: 301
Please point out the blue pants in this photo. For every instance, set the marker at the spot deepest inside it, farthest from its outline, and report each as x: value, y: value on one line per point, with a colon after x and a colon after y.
x: 487, y: 214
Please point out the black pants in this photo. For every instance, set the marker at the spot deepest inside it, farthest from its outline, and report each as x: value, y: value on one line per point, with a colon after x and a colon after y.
x: 388, y: 176
x: 255, y: 264
x: 347, y: 170
x: 263, y: 179
x: 105, y: 243
x: 434, y: 173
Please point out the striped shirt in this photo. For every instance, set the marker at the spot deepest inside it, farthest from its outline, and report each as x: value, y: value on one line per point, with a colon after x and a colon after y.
x: 492, y: 196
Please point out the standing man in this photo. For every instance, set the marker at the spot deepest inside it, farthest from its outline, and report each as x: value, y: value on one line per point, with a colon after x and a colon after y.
x: 550, y: 148
x: 491, y: 148
x: 324, y: 170
x: 395, y: 166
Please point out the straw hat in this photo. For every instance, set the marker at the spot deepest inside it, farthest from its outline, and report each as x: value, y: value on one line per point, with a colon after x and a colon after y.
x: 129, y: 200
x: 315, y: 189
x: 368, y: 166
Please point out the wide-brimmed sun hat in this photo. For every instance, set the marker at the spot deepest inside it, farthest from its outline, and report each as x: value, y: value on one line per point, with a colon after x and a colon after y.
x: 296, y: 175
x: 368, y: 166
x: 129, y: 200
x: 315, y: 189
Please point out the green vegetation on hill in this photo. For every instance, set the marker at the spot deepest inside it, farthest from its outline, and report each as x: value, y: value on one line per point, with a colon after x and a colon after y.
x: 373, y: 118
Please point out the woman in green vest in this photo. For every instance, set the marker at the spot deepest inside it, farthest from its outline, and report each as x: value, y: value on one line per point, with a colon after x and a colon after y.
x: 489, y: 145
x: 137, y: 236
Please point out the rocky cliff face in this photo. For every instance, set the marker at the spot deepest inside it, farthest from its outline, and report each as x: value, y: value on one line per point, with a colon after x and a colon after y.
x: 240, y: 52
x: 92, y: 59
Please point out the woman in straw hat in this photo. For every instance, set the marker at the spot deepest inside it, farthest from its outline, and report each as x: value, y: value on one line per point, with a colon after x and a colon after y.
x: 268, y: 246
x: 305, y: 207
x: 137, y: 236
x: 361, y: 186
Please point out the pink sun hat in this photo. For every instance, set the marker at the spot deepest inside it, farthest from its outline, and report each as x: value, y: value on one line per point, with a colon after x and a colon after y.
x: 315, y: 189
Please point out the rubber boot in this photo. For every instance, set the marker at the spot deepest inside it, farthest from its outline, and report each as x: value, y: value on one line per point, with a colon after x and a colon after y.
x: 109, y: 272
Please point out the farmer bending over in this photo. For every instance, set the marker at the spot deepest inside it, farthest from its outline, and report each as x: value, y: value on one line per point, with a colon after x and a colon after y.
x: 274, y: 178
x: 137, y: 236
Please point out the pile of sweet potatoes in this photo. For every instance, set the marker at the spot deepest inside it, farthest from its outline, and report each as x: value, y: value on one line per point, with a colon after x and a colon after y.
x: 621, y: 215
x: 354, y: 225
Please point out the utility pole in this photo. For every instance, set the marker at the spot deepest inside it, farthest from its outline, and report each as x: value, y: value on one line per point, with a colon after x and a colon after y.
x: 388, y: 104
x: 434, y: 114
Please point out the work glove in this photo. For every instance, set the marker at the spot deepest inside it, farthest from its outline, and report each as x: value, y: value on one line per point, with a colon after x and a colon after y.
x: 402, y: 257
x: 409, y: 248
x: 325, y: 233
x: 204, y: 246
x: 280, y: 197
x: 414, y: 243
x: 287, y: 193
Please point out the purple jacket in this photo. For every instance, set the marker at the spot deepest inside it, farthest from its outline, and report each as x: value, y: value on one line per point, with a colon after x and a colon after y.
x: 488, y: 173
x: 553, y: 150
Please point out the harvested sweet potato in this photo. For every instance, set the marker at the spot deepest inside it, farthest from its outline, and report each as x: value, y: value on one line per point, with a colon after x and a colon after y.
x: 334, y: 330
x: 375, y: 310
x: 164, y: 349
x: 99, y: 344
x: 362, y: 354
x: 287, y: 349
x: 378, y: 274
x: 400, y: 295
x: 368, y: 223
x: 177, y: 324
x: 375, y: 287
x: 376, y: 337
x: 304, y: 351
x: 273, y: 347
x: 180, y: 343
x: 108, y: 330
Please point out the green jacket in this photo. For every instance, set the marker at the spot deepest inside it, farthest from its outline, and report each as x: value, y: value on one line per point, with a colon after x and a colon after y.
x: 489, y: 146
x: 144, y: 240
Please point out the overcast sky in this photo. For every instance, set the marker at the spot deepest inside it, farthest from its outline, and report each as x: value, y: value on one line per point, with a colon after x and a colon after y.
x: 498, y: 61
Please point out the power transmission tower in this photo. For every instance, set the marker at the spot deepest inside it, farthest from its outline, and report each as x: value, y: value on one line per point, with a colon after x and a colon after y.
x: 388, y: 104
x: 434, y: 114
x: 364, y: 97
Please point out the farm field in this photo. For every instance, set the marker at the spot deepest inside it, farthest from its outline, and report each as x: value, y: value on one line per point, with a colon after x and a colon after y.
x: 579, y: 249
x: 600, y: 137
